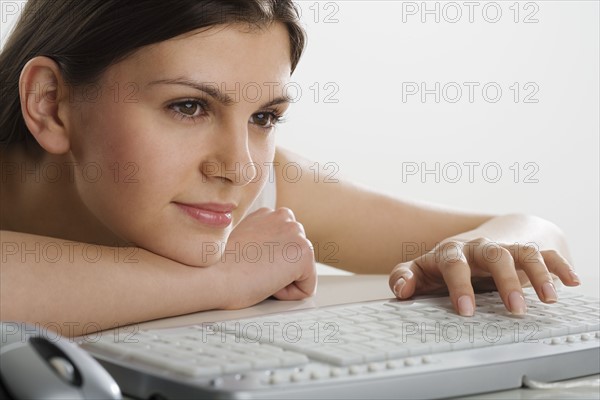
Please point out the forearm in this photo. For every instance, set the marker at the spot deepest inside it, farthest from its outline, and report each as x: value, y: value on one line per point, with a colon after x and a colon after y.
x: 375, y: 232
x: 358, y: 229
x: 79, y: 286
x: 520, y: 228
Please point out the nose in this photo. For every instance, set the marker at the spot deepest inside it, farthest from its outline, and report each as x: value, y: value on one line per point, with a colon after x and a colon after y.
x: 231, y: 159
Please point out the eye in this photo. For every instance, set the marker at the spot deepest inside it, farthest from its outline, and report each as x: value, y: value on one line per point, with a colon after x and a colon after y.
x: 188, y: 109
x: 266, y: 119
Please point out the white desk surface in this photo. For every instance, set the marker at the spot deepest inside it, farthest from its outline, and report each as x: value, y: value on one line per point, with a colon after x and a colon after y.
x: 341, y: 289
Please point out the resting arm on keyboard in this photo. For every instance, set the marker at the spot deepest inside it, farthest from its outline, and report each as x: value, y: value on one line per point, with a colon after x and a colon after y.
x: 438, y: 248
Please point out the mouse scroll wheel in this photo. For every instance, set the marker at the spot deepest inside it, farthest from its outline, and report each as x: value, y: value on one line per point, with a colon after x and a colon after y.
x: 64, y: 368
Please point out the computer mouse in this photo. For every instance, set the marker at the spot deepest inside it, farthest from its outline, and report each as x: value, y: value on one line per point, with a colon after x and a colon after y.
x: 34, y: 365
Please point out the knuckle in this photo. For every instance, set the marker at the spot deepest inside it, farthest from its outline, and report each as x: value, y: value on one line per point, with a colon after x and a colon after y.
x: 552, y: 254
x: 480, y: 241
x: 285, y: 212
x: 529, y: 250
x: 299, y: 226
x: 450, y: 254
x: 452, y: 261
x: 491, y: 250
x: 492, y: 253
x: 305, y: 244
x: 294, y: 228
x: 528, y: 247
x: 505, y: 253
x: 450, y: 245
x: 451, y: 251
x: 530, y: 255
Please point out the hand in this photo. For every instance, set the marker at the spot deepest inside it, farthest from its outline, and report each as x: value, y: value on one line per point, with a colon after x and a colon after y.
x: 460, y: 265
x: 268, y: 254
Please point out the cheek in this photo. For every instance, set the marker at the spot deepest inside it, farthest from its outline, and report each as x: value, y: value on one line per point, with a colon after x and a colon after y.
x: 124, y: 140
x: 145, y: 165
x: 136, y: 165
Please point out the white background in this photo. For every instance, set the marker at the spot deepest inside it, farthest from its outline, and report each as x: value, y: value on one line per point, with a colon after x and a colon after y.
x: 371, y: 131
x: 370, y: 52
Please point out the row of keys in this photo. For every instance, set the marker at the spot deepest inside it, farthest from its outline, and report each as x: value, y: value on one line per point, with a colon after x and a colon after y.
x: 197, y: 359
x: 319, y: 371
x: 584, y: 337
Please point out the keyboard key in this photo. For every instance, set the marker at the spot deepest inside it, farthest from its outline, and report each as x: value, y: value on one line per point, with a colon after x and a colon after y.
x: 300, y: 376
x: 337, y: 372
x: 280, y: 377
x: 336, y: 356
x: 410, y: 362
x: 373, y: 334
x: 368, y: 353
x: 341, y: 312
x: 358, y: 369
x: 291, y: 359
x: 361, y: 318
x: 317, y: 371
x: 175, y: 366
x: 351, y: 337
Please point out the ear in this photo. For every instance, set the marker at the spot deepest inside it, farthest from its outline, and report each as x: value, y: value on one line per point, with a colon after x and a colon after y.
x: 42, y: 92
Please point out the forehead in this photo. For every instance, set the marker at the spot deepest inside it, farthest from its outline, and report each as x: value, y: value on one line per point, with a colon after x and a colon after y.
x: 222, y: 54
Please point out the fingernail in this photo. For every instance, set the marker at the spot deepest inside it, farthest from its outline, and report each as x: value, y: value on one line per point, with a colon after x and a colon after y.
x: 517, y: 303
x: 465, y: 306
x: 549, y: 292
x: 574, y: 277
x: 400, y: 283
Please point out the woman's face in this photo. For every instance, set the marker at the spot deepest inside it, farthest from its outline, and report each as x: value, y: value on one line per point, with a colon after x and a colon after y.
x: 182, y: 133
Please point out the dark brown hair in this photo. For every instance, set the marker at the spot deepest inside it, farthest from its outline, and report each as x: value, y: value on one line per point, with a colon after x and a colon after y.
x: 85, y: 37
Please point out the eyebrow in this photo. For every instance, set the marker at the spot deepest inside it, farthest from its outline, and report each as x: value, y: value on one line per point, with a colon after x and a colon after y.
x: 213, y: 91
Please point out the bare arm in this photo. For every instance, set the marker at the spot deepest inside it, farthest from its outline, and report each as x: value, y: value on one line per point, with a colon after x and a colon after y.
x: 78, y: 286
x: 360, y: 230
x: 425, y: 248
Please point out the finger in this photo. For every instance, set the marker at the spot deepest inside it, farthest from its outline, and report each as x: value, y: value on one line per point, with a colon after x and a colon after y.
x: 456, y: 272
x: 306, y: 282
x: 560, y: 267
x: 499, y: 262
x: 530, y: 260
x: 296, y: 291
x: 402, y: 280
x: 301, y: 228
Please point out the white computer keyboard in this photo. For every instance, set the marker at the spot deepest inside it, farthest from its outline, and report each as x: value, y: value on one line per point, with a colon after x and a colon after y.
x: 376, y: 349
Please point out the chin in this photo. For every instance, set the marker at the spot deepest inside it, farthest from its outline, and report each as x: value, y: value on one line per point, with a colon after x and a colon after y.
x: 193, y: 251
x: 192, y: 258
x: 202, y: 260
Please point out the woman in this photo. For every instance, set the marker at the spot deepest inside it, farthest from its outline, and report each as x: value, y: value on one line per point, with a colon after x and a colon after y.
x: 138, y: 141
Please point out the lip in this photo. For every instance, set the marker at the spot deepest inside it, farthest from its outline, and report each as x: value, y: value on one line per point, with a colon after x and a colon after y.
x: 211, y: 214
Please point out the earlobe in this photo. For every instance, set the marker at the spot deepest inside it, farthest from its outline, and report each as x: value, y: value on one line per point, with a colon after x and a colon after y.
x: 39, y: 89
